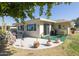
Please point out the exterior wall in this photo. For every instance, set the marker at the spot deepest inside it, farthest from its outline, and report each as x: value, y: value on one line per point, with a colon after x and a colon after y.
x: 32, y: 33
x: 64, y: 26
x: 39, y: 28
x: 42, y: 27
x: 72, y: 24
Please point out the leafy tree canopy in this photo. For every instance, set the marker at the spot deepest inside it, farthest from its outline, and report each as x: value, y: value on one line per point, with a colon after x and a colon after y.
x: 76, y: 22
x: 25, y: 9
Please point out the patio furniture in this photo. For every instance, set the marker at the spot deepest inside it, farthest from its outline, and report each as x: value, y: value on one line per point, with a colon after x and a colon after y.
x: 19, y: 34
x: 52, y: 32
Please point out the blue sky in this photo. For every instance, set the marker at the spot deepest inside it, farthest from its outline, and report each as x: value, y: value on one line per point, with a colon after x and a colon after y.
x: 62, y: 11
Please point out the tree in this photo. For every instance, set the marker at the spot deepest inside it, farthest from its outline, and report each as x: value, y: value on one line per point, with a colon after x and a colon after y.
x: 3, y: 9
x: 25, y: 9
x: 76, y: 22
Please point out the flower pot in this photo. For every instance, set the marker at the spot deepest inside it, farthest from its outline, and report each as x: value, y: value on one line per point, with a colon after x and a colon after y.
x: 72, y: 31
x: 58, y: 41
x: 36, y: 45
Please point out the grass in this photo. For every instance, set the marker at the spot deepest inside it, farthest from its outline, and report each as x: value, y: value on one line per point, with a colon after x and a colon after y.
x: 71, y: 45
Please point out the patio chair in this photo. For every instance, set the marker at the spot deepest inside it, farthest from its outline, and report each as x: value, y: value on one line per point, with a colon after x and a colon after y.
x: 20, y: 34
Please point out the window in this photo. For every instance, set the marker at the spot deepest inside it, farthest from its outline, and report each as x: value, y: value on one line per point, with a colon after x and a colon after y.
x: 59, y: 26
x: 31, y: 27
x: 21, y: 27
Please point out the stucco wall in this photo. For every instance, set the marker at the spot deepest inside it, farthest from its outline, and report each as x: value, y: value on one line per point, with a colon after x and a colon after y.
x: 39, y: 29
x: 32, y: 33
x: 64, y: 25
x: 42, y: 27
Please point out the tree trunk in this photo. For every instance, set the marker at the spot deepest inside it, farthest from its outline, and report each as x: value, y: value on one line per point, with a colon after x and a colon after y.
x: 3, y: 24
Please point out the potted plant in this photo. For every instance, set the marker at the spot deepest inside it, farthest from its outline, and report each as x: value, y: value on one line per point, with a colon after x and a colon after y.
x: 36, y: 43
x: 73, y: 30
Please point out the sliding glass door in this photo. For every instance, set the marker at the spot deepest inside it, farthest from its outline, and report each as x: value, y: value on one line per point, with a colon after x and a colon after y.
x: 46, y: 29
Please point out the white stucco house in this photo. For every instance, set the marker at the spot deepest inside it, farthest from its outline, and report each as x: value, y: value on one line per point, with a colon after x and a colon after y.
x: 40, y: 26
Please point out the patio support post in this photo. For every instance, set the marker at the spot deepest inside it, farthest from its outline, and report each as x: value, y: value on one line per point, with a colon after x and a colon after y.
x: 68, y: 30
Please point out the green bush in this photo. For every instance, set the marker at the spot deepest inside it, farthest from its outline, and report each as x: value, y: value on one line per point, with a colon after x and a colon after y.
x: 73, y: 29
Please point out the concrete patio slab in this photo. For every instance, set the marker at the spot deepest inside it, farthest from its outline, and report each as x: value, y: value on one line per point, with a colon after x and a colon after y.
x: 28, y: 43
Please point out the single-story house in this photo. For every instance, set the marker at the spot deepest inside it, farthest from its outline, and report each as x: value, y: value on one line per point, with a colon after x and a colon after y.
x: 40, y: 27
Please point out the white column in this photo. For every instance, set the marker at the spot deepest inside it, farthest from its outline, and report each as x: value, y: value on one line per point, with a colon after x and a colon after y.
x: 41, y: 29
x: 68, y: 30
x: 50, y: 28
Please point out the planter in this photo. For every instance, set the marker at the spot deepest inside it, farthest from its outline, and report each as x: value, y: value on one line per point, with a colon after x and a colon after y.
x: 72, y: 31
x: 36, y: 45
x: 58, y: 41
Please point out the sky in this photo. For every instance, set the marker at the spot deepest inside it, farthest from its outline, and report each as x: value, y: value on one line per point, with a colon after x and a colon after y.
x: 62, y: 11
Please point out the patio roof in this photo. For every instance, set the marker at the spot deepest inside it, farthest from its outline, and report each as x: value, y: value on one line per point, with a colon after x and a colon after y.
x: 50, y: 20
x: 46, y: 20
x: 41, y: 19
x: 62, y: 20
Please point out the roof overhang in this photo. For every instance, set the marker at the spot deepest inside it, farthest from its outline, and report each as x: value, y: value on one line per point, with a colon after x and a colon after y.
x: 45, y: 20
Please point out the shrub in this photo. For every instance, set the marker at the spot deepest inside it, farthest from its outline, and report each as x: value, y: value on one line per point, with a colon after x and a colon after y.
x: 73, y: 29
x: 2, y: 40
